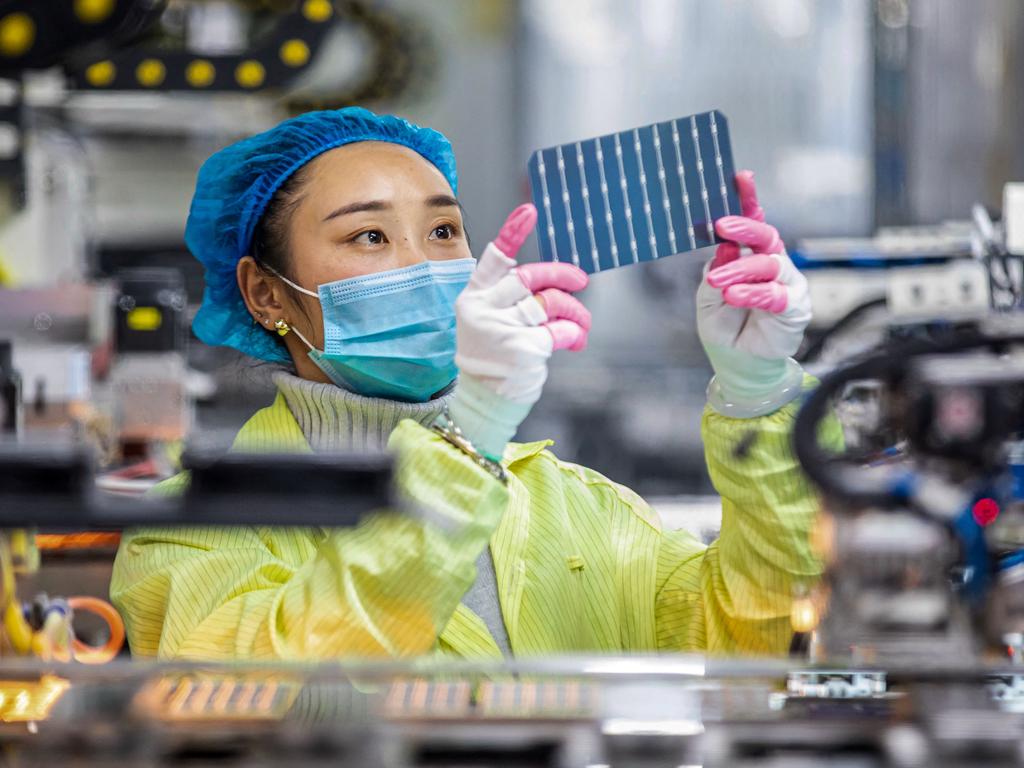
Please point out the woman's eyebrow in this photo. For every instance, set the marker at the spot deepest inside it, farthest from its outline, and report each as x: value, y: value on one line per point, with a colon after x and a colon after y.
x: 442, y: 201
x: 360, y: 207
x: 436, y: 201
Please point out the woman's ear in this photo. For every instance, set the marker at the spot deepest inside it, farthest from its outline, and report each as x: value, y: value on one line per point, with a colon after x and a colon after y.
x: 259, y: 292
x: 267, y: 303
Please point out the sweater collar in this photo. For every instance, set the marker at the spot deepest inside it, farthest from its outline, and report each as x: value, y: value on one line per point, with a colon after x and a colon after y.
x: 333, y: 419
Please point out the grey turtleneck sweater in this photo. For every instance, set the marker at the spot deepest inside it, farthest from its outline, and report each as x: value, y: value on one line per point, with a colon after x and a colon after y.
x: 333, y: 419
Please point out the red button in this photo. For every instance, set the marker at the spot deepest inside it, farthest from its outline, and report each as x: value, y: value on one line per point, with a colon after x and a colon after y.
x: 985, y: 511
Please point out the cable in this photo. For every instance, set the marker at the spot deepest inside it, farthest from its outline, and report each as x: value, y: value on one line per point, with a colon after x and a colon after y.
x: 812, y: 352
x: 54, y: 542
x: 54, y: 639
x: 88, y: 654
x: 840, y: 478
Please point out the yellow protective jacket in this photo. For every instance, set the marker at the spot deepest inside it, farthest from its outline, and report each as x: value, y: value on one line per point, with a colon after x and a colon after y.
x: 582, y: 564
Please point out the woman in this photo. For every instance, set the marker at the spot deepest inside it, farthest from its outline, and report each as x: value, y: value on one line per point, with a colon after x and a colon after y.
x: 334, y: 244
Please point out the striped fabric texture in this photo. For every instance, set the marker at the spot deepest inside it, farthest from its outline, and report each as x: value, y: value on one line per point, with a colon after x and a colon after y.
x: 582, y: 564
x: 333, y: 419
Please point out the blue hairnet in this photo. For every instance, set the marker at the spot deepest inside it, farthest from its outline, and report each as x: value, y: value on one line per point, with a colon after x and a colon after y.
x: 237, y: 183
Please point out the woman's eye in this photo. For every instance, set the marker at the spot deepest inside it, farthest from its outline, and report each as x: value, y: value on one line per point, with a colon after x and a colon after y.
x: 371, y: 237
x: 443, y: 232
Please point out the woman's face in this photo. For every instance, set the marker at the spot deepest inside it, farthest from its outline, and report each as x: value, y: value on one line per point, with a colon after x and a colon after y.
x: 371, y: 207
x: 363, y: 208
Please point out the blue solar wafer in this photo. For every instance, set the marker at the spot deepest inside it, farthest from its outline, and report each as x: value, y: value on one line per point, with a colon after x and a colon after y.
x: 634, y: 196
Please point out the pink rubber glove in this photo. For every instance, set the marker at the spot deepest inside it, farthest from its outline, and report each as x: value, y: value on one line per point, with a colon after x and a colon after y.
x: 751, y: 313
x: 509, y: 320
x: 507, y: 304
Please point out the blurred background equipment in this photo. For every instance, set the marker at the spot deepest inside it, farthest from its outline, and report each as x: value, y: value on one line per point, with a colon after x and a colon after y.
x: 886, y: 139
x: 566, y: 713
x: 148, y: 379
x: 52, y: 488
x: 38, y: 34
x: 923, y: 534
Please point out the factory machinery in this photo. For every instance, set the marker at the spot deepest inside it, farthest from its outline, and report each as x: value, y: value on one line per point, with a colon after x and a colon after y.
x: 908, y: 652
x: 579, y: 712
x: 892, y: 672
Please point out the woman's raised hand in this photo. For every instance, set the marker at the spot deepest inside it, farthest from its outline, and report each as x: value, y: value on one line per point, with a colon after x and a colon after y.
x: 509, y: 320
x: 751, y: 313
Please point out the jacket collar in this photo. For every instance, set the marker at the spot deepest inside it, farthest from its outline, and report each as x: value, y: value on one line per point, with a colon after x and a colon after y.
x: 272, y: 430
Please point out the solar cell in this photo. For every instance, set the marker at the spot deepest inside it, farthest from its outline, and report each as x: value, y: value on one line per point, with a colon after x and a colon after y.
x: 634, y: 196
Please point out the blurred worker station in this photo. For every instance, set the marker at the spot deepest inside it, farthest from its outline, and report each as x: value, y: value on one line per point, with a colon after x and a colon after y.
x: 195, y: 569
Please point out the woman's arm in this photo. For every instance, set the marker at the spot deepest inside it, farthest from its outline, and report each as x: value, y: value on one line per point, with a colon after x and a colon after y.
x: 752, y: 308
x: 384, y: 588
x: 737, y: 594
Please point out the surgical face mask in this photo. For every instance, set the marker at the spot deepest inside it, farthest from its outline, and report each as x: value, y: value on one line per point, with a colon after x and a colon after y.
x: 391, y: 334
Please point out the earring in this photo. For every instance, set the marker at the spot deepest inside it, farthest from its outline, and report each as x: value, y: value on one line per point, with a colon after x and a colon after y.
x: 282, y: 328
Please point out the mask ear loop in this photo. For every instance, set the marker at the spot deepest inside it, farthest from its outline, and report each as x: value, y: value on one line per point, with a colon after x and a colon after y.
x: 282, y: 326
x: 283, y: 329
x: 297, y: 287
